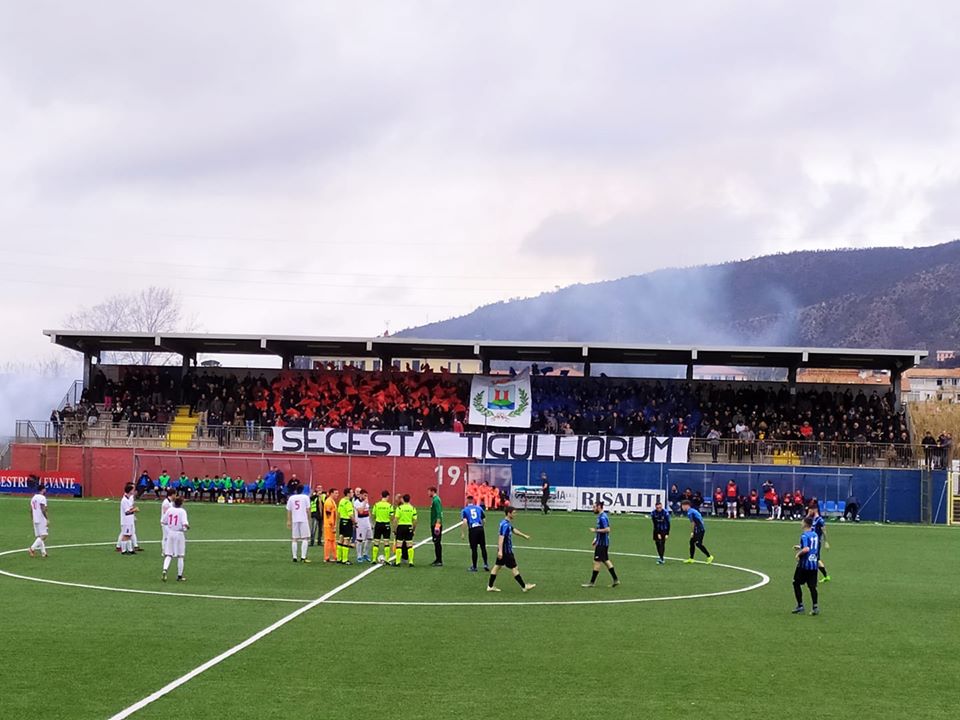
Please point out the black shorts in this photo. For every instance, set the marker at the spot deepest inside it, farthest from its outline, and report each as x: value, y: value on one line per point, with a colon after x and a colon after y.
x: 404, y: 533
x: 601, y: 553
x: 507, y: 561
x: 345, y: 528
x: 805, y: 577
x: 381, y: 531
x: 698, y: 535
x: 477, y: 536
x: 658, y: 536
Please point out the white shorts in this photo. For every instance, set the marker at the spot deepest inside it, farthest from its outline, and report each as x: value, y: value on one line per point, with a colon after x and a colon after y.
x: 176, y: 545
x: 127, y: 528
x: 40, y: 529
x: 301, y: 531
x: 364, y: 531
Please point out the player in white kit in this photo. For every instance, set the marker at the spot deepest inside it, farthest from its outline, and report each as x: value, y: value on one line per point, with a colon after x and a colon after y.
x: 38, y: 511
x: 128, y: 519
x: 175, y: 545
x: 298, y: 521
x: 165, y: 507
x: 364, y: 531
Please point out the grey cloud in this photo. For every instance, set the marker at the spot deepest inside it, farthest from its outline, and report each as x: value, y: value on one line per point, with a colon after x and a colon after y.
x: 631, y: 243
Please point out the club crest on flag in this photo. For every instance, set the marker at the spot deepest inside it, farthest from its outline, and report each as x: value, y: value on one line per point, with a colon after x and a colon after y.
x: 501, y: 397
x: 500, y: 402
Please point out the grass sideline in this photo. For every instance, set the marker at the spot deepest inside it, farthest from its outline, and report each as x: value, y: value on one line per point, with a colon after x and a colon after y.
x: 884, y: 646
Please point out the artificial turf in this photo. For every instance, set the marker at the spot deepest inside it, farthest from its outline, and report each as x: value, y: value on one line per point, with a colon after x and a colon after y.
x: 885, y: 644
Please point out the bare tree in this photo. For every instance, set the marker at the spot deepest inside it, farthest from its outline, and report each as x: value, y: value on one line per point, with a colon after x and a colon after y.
x: 153, y: 310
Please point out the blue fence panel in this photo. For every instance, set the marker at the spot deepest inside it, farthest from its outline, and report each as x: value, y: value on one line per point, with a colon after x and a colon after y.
x: 885, y: 494
x: 590, y: 474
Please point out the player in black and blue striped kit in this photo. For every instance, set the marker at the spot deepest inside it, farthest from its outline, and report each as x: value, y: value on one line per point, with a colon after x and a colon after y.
x: 808, y: 554
x: 661, y: 529
x: 819, y: 527
x: 696, y: 537
x: 473, y: 517
x: 601, y: 547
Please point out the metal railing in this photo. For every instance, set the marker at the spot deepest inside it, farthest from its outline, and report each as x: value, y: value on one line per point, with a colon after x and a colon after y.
x: 5, y: 454
x: 72, y: 396
x: 793, y: 452
x: 106, y: 433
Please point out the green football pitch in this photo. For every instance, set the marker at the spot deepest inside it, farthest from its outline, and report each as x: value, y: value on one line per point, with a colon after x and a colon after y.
x: 672, y: 641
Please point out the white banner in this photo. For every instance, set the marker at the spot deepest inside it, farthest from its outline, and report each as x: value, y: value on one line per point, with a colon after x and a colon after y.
x: 498, y: 402
x: 529, y: 496
x: 481, y: 446
x: 620, y: 499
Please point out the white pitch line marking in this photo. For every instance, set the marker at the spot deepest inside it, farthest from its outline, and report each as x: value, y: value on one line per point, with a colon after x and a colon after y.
x: 183, y: 679
x: 764, y: 580
x: 86, y: 586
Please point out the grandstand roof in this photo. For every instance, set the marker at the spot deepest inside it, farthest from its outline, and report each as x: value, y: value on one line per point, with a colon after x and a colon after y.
x: 192, y: 344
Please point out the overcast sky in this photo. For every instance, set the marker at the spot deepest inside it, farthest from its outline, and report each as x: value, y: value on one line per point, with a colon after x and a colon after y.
x: 338, y: 168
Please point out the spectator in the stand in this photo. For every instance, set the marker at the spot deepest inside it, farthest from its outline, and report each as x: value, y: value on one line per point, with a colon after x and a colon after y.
x: 714, y: 438
x: 56, y: 423
x: 929, y: 443
x: 945, y: 445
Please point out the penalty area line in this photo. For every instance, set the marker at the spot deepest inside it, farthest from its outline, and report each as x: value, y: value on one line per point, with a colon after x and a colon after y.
x: 213, y: 662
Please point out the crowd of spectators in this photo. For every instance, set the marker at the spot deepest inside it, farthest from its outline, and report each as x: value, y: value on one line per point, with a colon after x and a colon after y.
x: 735, y: 421
x: 640, y: 407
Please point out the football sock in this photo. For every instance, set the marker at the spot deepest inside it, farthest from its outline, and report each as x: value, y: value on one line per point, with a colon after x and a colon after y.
x: 36, y: 544
x: 613, y: 574
x: 593, y: 577
x: 293, y: 549
x: 814, y: 595
x: 179, y: 567
x: 797, y: 594
x: 396, y: 556
x: 519, y: 580
x: 303, y: 548
x: 166, y: 563
x: 133, y: 539
x: 492, y: 579
x: 823, y: 569
x: 693, y: 546
x: 376, y: 552
x: 410, y: 554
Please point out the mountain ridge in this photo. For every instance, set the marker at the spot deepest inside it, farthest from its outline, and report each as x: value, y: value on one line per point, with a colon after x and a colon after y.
x: 857, y: 298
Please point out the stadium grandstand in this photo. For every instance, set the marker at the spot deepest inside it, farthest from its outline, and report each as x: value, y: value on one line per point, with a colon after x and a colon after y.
x: 199, y: 419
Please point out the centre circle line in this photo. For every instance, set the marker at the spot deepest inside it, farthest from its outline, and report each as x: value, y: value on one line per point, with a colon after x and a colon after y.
x: 764, y: 579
